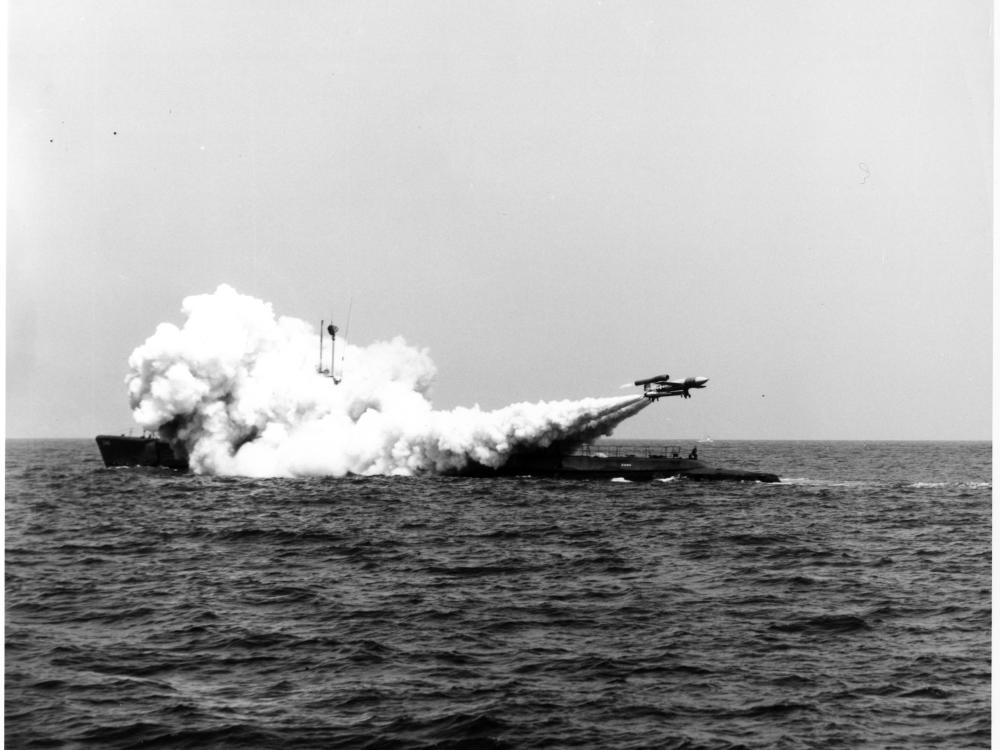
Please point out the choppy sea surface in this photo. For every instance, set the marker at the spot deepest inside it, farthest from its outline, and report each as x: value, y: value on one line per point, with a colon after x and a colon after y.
x: 847, y: 606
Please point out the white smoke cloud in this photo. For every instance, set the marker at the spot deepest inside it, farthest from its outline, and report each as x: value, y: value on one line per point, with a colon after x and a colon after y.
x: 238, y: 387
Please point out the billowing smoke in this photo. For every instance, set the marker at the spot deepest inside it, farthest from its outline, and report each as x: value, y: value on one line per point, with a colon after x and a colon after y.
x: 238, y: 387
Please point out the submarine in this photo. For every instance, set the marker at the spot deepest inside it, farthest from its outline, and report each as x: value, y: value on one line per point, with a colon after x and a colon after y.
x: 638, y: 463
x: 567, y: 459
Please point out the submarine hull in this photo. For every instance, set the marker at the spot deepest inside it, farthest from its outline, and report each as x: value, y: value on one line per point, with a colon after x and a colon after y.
x: 591, y: 462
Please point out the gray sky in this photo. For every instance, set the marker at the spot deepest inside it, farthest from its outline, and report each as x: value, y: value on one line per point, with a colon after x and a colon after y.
x: 793, y: 199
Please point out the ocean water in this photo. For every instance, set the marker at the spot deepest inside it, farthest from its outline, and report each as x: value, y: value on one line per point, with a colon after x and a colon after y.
x: 848, y: 606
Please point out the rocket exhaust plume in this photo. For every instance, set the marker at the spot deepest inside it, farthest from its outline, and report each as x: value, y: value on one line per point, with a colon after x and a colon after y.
x: 238, y: 387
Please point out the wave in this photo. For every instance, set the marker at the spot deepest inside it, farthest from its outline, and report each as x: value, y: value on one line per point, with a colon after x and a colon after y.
x: 881, y: 485
x: 809, y: 482
x: 834, y: 623
x: 966, y: 485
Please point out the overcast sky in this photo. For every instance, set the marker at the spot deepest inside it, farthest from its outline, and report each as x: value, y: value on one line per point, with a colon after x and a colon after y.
x: 792, y: 199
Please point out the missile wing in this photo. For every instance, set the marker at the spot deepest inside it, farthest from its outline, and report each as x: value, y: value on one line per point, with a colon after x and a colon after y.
x: 654, y: 379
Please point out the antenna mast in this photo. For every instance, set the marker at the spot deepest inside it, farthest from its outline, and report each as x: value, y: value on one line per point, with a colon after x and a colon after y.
x: 332, y: 330
x: 319, y: 367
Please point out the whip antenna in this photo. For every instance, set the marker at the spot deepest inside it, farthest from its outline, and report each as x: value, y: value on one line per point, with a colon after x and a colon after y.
x: 347, y: 336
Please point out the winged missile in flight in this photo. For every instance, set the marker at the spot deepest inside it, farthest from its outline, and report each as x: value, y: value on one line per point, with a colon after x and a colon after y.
x: 661, y: 386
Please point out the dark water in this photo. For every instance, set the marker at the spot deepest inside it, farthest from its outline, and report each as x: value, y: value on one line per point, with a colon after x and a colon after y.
x: 847, y: 607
